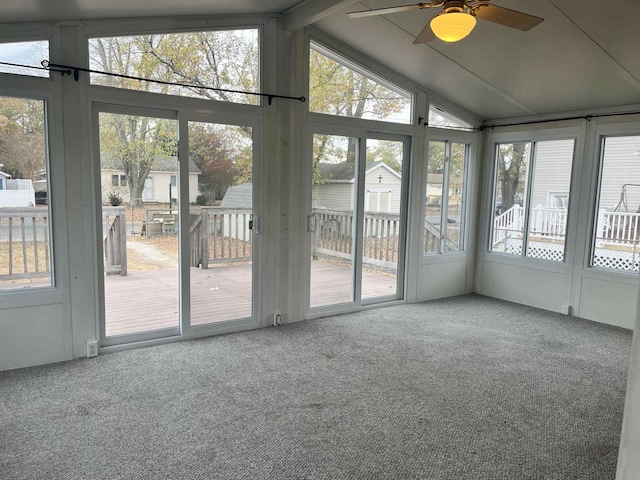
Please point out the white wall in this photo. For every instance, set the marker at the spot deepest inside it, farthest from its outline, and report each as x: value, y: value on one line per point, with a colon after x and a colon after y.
x: 161, y: 181
x: 601, y: 295
x: 553, y: 161
x: 333, y: 196
x: 17, y: 198
x: 628, y: 457
x: 390, y: 182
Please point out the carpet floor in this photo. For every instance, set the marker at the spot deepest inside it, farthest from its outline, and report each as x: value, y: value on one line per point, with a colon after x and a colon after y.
x: 461, y: 388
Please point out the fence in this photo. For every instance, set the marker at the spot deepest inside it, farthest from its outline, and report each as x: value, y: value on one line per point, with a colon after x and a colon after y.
x: 381, y: 236
x: 114, y: 232
x: 220, y: 235
x: 617, y: 239
x: 24, y: 243
x: 550, y: 223
x: 223, y: 235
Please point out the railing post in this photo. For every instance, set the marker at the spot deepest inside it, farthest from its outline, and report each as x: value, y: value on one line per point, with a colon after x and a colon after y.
x: 204, y: 239
x: 600, y: 227
x: 517, y: 220
x: 122, y: 237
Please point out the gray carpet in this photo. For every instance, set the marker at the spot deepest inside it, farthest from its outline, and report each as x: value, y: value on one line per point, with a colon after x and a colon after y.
x: 461, y: 388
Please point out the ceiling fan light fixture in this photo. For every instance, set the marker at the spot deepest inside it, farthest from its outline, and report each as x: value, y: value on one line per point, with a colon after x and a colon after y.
x: 452, y: 26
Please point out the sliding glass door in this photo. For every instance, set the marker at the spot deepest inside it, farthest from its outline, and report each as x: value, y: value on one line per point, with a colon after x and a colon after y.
x: 176, y: 223
x: 140, y: 221
x: 356, y: 225
x: 221, y: 230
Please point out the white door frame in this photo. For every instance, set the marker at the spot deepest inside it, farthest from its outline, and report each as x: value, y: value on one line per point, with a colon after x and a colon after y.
x: 184, y: 330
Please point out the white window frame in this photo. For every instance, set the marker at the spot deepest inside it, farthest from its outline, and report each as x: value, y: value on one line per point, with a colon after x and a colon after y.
x: 450, y: 136
x: 533, y: 136
x: 378, y: 191
x: 48, y: 90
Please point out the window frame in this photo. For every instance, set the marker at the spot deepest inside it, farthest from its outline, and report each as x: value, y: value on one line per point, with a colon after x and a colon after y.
x: 468, y: 138
x: 43, y: 294
x: 363, y: 66
x: 136, y: 27
x: 562, y: 133
x: 600, y: 135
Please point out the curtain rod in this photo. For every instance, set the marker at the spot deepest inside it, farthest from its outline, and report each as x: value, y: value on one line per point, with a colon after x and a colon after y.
x: 67, y: 70
x: 578, y: 117
x: 75, y: 71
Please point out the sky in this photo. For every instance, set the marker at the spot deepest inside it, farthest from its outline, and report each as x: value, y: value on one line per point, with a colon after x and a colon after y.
x: 25, y: 53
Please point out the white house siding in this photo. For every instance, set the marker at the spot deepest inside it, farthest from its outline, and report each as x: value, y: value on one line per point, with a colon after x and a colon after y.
x: 161, y: 182
x: 621, y: 166
x: 552, y: 170
x: 333, y: 196
x: 389, y: 182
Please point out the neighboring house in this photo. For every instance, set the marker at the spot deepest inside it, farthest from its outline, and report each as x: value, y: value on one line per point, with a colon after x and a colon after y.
x: 160, y: 186
x: 621, y: 167
x: 383, y: 187
x: 234, y: 213
x: 434, y: 189
x: 16, y: 192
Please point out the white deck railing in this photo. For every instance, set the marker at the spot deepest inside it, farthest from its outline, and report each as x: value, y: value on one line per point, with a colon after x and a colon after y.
x: 617, y: 238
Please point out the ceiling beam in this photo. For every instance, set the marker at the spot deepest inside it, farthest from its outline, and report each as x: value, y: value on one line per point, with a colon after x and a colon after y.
x: 310, y: 11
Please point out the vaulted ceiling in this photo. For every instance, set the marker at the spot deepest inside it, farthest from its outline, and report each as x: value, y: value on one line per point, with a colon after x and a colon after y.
x: 583, y: 56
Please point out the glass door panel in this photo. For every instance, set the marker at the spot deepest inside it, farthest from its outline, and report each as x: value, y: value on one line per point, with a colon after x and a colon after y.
x: 221, y: 271
x: 332, y: 223
x: 382, y: 223
x: 434, y: 201
x: 455, y: 199
x: 139, y: 223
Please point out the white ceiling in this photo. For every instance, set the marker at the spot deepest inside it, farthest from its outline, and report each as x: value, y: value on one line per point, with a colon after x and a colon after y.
x: 584, y: 55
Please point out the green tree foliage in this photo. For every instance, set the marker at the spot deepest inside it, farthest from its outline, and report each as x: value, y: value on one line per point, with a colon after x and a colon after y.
x: 389, y: 152
x: 226, y: 59
x: 220, y: 59
x: 512, y: 164
x: 337, y: 89
x: 134, y: 146
x: 22, y: 140
x: 230, y: 60
x: 223, y: 153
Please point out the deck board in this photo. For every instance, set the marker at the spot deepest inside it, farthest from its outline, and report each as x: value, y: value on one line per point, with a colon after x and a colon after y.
x: 149, y: 300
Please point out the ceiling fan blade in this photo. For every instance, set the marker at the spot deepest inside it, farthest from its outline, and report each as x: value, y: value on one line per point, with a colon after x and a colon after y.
x: 426, y: 35
x: 385, y: 11
x: 505, y: 16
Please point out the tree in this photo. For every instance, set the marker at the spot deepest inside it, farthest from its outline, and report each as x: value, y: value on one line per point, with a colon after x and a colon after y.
x: 513, y: 160
x: 133, y: 145
x: 337, y: 89
x: 223, y: 154
x: 220, y: 59
x: 22, y: 140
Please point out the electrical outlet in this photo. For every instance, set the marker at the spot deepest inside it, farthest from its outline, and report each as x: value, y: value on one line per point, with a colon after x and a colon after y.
x: 566, y: 309
x: 92, y: 349
x: 277, y: 319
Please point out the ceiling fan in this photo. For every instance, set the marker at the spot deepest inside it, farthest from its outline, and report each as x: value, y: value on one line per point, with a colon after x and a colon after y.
x: 457, y: 18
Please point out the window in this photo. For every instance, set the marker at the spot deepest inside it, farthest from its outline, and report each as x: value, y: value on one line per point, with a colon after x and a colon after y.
x: 339, y: 87
x: 377, y: 200
x: 531, y: 198
x: 25, y: 229
x: 616, y: 235
x: 118, y: 180
x: 24, y: 53
x: 442, y: 119
x: 444, y: 219
x: 174, y: 180
x: 227, y: 59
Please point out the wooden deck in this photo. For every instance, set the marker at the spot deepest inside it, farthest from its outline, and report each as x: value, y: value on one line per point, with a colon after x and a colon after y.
x: 149, y: 300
